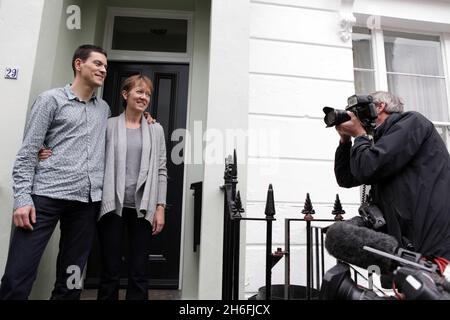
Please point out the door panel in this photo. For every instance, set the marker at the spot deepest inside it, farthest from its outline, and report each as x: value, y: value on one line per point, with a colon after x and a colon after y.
x: 168, y: 105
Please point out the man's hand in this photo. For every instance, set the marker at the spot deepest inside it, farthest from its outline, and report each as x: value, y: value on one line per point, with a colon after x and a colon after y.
x: 351, y: 128
x: 44, y: 153
x: 158, y: 220
x: 345, y: 138
x: 149, y: 118
x: 22, y: 217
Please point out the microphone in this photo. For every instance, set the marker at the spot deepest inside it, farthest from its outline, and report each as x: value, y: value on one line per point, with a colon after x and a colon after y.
x: 345, y: 241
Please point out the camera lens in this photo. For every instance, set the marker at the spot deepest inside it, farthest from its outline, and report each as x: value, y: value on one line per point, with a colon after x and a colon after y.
x: 330, y: 118
x: 334, y: 117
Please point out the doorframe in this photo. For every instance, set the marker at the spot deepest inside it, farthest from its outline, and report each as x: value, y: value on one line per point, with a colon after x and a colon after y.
x: 156, y: 57
x: 148, y: 56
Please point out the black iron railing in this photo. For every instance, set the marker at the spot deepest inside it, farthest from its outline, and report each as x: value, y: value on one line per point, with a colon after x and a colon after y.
x: 315, y: 253
x: 231, y: 236
x: 198, y: 191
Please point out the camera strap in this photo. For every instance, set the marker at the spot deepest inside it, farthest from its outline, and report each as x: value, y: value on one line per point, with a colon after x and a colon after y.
x: 364, y: 194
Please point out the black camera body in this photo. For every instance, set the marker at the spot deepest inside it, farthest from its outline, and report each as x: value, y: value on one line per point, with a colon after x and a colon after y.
x: 361, y: 105
x: 414, y: 276
x: 372, y: 216
x: 414, y: 283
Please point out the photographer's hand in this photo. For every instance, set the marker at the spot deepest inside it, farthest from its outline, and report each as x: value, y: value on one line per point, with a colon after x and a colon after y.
x: 345, y: 138
x: 351, y: 128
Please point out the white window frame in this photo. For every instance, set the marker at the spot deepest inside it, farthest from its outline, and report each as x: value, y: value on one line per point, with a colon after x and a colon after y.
x: 154, y: 56
x: 379, y: 65
x: 374, y: 67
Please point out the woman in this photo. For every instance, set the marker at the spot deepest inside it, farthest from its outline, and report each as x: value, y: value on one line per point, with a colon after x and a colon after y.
x: 134, y: 191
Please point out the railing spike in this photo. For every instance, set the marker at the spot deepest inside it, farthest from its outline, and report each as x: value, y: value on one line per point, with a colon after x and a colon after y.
x: 308, y: 210
x: 270, y: 203
x: 337, y: 209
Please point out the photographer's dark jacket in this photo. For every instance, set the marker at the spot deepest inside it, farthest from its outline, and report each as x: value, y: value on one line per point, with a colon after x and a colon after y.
x: 408, y: 166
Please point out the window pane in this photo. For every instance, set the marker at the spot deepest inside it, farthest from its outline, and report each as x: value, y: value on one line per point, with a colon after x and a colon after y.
x: 364, y: 82
x: 149, y: 34
x: 444, y: 133
x: 362, y: 50
x: 413, y: 53
x: 423, y: 94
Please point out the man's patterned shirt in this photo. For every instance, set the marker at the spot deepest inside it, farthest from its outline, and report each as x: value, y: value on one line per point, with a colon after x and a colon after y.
x: 75, y: 131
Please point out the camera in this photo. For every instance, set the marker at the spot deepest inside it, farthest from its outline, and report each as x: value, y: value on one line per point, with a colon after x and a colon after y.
x: 337, y: 284
x: 415, y: 278
x: 361, y: 105
x: 372, y: 216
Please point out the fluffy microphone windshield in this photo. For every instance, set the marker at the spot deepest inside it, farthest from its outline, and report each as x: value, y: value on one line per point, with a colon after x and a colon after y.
x: 345, y: 241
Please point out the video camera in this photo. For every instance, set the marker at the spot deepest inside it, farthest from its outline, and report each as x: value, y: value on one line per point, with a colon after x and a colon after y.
x: 361, y: 105
x: 414, y: 277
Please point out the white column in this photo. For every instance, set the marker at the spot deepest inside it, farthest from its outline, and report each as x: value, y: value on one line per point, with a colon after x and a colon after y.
x: 19, y: 33
x: 198, y: 109
x: 379, y: 60
x: 227, y: 109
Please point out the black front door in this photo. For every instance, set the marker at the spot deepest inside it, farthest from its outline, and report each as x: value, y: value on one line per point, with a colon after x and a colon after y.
x: 168, y: 106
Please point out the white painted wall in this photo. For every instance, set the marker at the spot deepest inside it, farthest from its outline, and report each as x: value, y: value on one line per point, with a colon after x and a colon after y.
x: 20, y: 23
x: 298, y: 64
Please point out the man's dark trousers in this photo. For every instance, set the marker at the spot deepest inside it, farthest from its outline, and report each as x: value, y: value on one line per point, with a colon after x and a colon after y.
x: 77, y: 225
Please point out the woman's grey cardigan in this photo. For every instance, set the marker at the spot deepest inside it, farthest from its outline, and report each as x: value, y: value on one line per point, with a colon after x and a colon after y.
x: 152, y: 180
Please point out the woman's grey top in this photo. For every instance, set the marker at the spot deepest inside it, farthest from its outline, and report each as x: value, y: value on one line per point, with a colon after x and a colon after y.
x: 134, y: 150
x: 151, y: 184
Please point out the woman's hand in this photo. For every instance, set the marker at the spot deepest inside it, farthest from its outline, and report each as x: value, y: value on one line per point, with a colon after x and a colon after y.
x: 44, y: 153
x: 158, y: 220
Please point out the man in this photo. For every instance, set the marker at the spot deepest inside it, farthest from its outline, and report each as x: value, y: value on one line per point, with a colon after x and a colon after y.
x: 67, y: 187
x: 408, y: 166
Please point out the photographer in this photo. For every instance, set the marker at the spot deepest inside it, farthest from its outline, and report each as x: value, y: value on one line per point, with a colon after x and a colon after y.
x: 408, y: 166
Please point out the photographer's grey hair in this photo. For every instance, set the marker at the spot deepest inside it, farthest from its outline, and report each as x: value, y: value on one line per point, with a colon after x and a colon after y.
x: 393, y: 103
